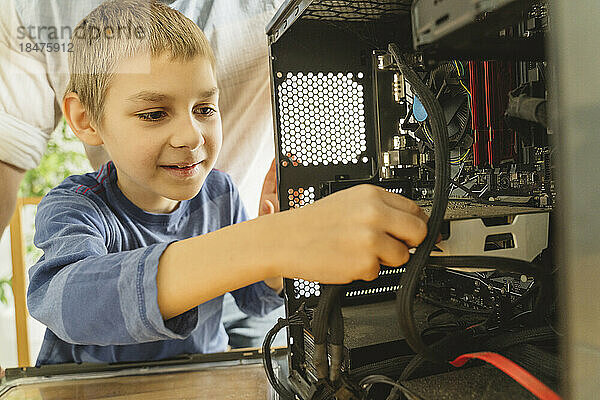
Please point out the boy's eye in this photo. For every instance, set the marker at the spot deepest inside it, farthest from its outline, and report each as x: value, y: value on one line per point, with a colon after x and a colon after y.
x: 205, y: 111
x: 152, y: 116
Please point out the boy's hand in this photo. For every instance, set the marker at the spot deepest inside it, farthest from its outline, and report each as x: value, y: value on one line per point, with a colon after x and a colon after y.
x: 347, y: 235
x: 269, y: 202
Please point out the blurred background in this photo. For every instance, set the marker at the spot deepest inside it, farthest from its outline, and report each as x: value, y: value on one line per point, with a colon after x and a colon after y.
x: 65, y: 156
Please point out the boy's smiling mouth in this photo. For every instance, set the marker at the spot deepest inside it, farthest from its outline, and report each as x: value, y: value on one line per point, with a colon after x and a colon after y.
x: 183, y: 170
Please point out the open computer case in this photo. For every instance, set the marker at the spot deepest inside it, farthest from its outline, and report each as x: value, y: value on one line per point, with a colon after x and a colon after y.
x: 449, y: 103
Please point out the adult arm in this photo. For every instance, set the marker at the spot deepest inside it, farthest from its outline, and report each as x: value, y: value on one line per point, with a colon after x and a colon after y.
x: 11, y: 177
x: 27, y: 112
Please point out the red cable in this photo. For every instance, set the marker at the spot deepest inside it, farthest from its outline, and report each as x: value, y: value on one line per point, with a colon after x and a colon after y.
x: 515, y: 371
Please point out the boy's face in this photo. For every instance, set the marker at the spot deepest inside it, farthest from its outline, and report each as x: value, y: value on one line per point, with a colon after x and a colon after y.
x: 162, y: 129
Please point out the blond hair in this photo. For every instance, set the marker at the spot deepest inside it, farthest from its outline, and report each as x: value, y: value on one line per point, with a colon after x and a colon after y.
x: 120, y: 29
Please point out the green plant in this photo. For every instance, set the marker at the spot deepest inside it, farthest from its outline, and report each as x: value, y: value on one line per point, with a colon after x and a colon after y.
x: 64, y: 156
x: 4, y: 282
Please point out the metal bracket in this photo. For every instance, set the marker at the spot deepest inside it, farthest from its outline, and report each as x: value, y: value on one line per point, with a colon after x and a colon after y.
x: 529, y: 234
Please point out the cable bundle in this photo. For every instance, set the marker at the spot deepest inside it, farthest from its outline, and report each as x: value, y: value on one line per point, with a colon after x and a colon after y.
x: 410, y: 279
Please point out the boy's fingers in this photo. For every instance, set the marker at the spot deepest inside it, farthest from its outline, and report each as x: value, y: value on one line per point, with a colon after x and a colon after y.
x: 402, y: 203
x: 392, y: 252
x: 404, y: 226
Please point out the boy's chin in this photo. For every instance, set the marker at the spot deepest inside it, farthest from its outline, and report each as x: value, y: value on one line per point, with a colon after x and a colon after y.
x: 181, y: 196
x: 180, y: 191
x: 184, y: 194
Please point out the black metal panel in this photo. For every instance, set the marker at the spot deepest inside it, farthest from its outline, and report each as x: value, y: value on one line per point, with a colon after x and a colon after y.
x: 320, y: 86
x: 335, y: 11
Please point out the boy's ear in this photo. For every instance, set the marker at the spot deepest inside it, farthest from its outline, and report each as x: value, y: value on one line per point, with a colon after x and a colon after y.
x: 79, y: 120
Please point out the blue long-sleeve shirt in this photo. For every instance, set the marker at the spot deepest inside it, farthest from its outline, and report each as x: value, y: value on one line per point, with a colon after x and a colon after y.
x: 95, y: 286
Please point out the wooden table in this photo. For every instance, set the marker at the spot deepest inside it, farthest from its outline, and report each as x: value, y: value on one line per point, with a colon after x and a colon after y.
x: 239, y: 379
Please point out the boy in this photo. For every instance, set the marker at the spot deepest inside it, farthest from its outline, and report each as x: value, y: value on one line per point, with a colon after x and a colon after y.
x: 138, y: 255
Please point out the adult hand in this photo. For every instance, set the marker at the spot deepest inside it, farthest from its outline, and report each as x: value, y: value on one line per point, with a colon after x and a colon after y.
x: 269, y: 203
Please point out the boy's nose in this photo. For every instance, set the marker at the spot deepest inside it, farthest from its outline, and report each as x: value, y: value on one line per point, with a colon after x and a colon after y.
x: 187, y: 134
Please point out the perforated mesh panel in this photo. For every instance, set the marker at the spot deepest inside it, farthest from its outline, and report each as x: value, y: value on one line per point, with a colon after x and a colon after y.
x: 355, y: 10
x: 306, y: 289
x: 299, y: 197
x: 395, y: 190
x: 377, y: 290
x: 322, y: 119
x: 386, y: 285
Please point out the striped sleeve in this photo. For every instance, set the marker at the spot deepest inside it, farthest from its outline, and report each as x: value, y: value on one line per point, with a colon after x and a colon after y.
x: 86, y: 295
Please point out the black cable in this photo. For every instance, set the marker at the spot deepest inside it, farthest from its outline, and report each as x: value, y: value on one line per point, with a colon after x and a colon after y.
x: 437, y: 313
x: 410, y: 369
x: 412, y: 366
x: 321, y: 314
x: 497, y: 343
x: 336, y: 323
x: 370, y: 380
x: 329, y: 298
x: 539, y: 334
x: 336, y: 339
x: 282, y: 391
x: 324, y: 392
x: 410, y: 279
x: 539, y: 362
x: 389, y: 366
x: 443, y: 328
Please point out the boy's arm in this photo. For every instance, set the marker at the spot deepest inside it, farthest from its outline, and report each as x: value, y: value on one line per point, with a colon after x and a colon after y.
x: 338, y: 239
x: 85, y: 294
x: 269, y: 204
x: 262, y: 297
